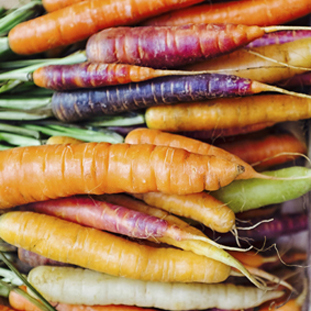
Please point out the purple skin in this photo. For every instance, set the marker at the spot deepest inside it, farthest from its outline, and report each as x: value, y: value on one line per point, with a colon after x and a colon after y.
x: 79, y: 105
x: 281, y: 225
x: 167, y: 46
x: 102, y: 215
x: 280, y: 37
x: 300, y: 80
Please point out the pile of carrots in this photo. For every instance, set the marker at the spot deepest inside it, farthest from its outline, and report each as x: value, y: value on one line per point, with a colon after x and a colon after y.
x: 188, y: 211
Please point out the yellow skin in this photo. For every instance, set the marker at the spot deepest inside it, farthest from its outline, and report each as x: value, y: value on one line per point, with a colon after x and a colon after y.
x: 100, y: 251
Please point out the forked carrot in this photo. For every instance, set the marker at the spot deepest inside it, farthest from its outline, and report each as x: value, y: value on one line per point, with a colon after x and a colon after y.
x: 156, y: 137
x: 104, y: 252
x: 97, y: 168
x: 266, y: 151
x: 80, y: 20
x: 228, y: 113
x: 247, y: 12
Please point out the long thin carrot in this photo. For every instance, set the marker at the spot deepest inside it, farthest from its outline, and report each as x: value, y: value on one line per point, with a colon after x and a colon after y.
x: 156, y: 137
x: 39, y: 173
x: 267, y: 150
x: 247, y: 12
x: 227, y: 113
x: 80, y: 20
x: 101, y: 251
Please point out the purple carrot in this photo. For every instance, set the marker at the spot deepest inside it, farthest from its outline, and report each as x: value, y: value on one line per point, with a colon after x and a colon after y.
x: 33, y: 260
x: 168, y: 46
x: 280, y: 37
x: 300, y: 80
x: 78, y: 105
x: 102, y: 215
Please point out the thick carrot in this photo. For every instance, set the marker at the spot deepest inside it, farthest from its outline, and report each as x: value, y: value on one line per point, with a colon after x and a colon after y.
x: 80, y: 20
x: 78, y: 105
x: 167, y: 47
x: 156, y: 137
x: 35, y: 173
x: 89, y: 287
x: 54, y: 5
x: 228, y: 113
x: 267, y: 150
x: 104, y: 252
x: 247, y: 12
x: 91, y: 75
x: 283, y: 61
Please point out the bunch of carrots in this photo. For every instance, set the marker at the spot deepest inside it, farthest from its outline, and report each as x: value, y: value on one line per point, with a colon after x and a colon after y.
x: 141, y: 165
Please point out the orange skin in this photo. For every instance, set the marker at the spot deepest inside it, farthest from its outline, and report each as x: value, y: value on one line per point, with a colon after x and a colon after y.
x: 53, y: 5
x: 247, y: 12
x: 39, y: 173
x: 80, y: 20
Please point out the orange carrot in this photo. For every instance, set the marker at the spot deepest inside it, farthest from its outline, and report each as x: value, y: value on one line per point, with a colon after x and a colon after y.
x: 56, y: 140
x: 54, y: 5
x: 80, y: 20
x: 18, y: 302
x: 266, y: 151
x: 155, y: 137
x: 247, y: 12
x: 39, y: 173
x: 104, y: 252
x: 228, y: 113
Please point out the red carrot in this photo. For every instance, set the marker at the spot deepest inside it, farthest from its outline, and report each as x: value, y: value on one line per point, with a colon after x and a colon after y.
x: 266, y: 151
x: 80, y: 20
x: 246, y: 12
x: 167, y: 47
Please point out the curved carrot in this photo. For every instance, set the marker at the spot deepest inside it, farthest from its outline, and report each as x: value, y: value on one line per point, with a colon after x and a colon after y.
x: 80, y: 20
x: 156, y: 137
x: 39, y: 173
x: 247, y: 12
x: 266, y: 151
x: 228, y: 113
x: 104, y: 252
x: 167, y: 47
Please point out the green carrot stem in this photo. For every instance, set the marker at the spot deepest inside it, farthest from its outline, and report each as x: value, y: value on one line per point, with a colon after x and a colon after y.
x: 22, y: 103
x: 5, y: 50
x: 125, y: 119
x: 15, y: 129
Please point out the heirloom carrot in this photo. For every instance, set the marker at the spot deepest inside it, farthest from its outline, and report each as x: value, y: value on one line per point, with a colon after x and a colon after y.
x: 80, y: 20
x: 104, y: 252
x: 227, y: 113
x: 167, y: 47
x: 39, y: 173
x: 56, y: 140
x: 267, y: 150
x: 55, y: 5
x: 156, y: 137
x: 247, y: 12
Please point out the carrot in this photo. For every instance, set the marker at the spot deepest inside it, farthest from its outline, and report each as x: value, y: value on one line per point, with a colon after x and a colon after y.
x: 6, y: 308
x: 243, y: 195
x: 233, y: 131
x: 101, y: 289
x: 80, y: 20
x: 247, y: 12
x: 155, y: 137
x: 55, y: 140
x: 78, y: 105
x: 227, y: 113
x: 303, y: 79
x: 201, y: 207
x: 282, y: 62
x: 104, y: 252
x: 167, y: 47
x: 54, y: 5
x: 129, y: 217
x: 266, y: 151
x: 97, y: 168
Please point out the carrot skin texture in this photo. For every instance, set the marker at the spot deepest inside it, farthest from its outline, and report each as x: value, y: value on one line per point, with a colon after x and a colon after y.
x: 167, y: 47
x: 155, y: 137
x: 102, y: 216
x: 78, y: 105
x: 243, y: 195
x: 80, y: 20
x: 239, y: 112
x: 260, y: 12
x: 35, y: 173
x: 92, y: 75
x: 106, y: 253
x: 257, y: 151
